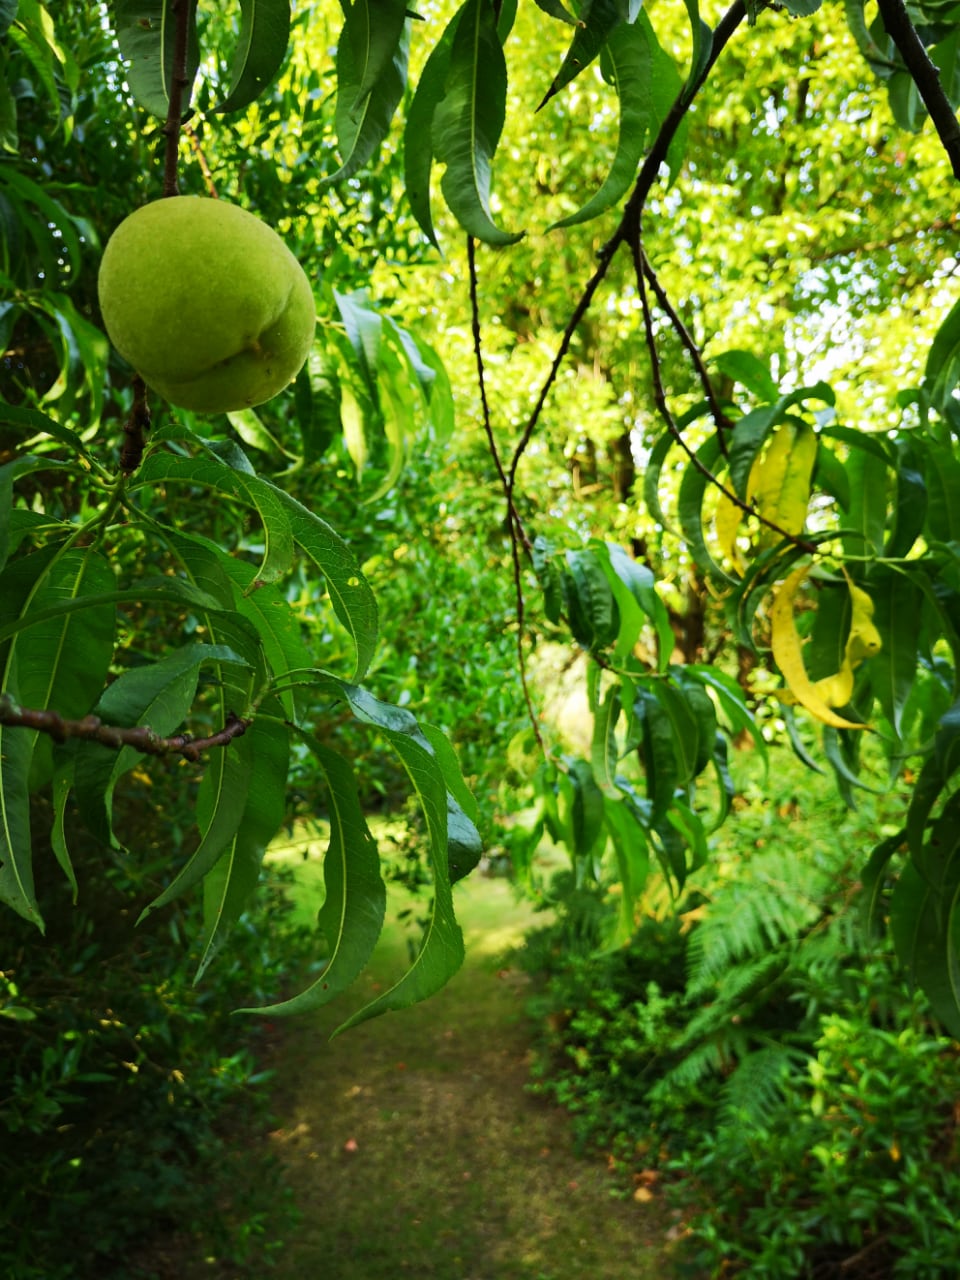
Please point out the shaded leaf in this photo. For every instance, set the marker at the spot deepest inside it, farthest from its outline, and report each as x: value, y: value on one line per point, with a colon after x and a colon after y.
x: 261, y: 48
x: 354, y: 904
x: 363, y: 119
x: 146, y: 33
x: 595, y: 21
x: 229, y: 885
x: 631, y: 66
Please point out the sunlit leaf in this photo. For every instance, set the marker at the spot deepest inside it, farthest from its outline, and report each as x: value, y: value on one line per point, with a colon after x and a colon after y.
x: 467, y: 123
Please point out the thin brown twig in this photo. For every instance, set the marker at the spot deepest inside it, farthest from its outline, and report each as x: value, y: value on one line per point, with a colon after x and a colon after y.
x: 517, y: 532
x: 191, y: 135
x: 178, y: 80
x: 141, y: 737
x: 660, y: 398
x: 720, y: 419
x: 630, y: 221
x: 926, y: 77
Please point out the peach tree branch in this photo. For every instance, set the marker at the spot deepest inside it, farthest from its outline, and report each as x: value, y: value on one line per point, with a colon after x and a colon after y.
x: 140, y: 737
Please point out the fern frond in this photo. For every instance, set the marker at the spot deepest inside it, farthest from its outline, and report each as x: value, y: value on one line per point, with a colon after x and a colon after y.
x: 777, y: 899
x: 754, y: 1091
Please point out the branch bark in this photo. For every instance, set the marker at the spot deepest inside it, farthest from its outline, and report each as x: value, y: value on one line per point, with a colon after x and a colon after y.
x: 140, y: 737
x: 925, y: 75
x: 178, y: 81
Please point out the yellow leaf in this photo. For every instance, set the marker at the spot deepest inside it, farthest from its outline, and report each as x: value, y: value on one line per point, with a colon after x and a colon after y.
x: 779, y: 483
x: 726, y: 524
x: 864, y: 638
x: 788, y: 655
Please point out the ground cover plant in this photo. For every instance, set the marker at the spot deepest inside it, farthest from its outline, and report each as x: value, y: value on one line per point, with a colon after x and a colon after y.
x: 756, y: 1058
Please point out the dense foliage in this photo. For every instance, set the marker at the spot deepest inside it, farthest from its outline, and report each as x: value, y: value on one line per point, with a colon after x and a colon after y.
x: 756, y: 1058
x: 705, y: 479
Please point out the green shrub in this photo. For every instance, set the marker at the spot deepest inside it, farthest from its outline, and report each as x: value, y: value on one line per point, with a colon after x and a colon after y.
x: 120, y: 1080
x: 766, y: 1057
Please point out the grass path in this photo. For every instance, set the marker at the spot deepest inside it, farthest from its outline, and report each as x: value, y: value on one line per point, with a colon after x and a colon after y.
x: 414, y: 1149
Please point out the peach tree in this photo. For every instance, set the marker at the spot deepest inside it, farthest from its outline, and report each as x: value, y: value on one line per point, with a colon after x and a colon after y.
x: 818, y: 513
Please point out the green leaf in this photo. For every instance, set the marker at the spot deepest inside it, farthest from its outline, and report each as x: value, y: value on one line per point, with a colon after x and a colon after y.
x: 628, y: 53
x: 363, y: 118
x: 468, y: 121
x: 942, y: 477
x: 897, y: 612
x: 556, y: 9
x: 261, y: 49
x: 747, y: 369
x: 16, y: 851
x: 375, y: 28
x: 659, y: 752
x: 146, y: 32
x: 691, y: 755
x: 350, y: 593
x: 355, y: 896
x: 590, y: 600
x: 64, y: 658
x: 873, y: 878
x: 228, y: 887
x: 924, y: 930
x: 446, y: 757
x: 690, y: 507
x: 651, y: 479
x: 418, y: 145
x: 868, y: 499
x: 441, y: 951
x: 910, y: 507
x: 8, y: 11
x: 632, y: 855
x: 221, y: 801
x: 637, y: 602
x: 158, y: 695
x: 37, y: 423
x: 702, y: 43
x: 596, y: 20
x: 732, y: 700
x: 60, y: 792
x: 10, y: 472
x: 604, y: 754
x: 942, y: 373
x: 584, y: 806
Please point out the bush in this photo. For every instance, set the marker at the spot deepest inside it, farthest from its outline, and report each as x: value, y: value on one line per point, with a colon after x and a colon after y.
x: 119, y: 1080
x: 766, y: 1059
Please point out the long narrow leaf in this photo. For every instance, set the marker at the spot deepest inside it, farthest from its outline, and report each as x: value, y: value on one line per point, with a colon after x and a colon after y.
x: 229, y: 886
x: 146, y: 32
x: 261, y: 48
x: 355, y: 896
x: 631, y: 64
x: 468, y: 122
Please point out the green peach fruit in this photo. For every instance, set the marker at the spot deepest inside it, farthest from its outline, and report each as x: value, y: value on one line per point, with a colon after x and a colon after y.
x: 207, y: 303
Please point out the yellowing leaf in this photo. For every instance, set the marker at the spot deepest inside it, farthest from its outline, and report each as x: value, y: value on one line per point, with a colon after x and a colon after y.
x: 726, y: 525
x: 864, y: 638
x: 788, y: 655
x: 779, y: 483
